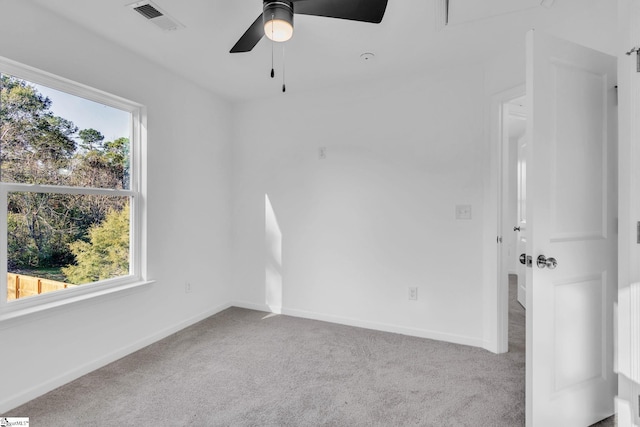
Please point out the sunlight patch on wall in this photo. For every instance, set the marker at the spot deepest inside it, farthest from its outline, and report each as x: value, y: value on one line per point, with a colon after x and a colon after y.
x: 273, y: 258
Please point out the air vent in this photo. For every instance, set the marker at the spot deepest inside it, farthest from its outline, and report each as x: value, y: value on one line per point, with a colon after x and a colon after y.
x: 148, y: 11
x: 156, y: 15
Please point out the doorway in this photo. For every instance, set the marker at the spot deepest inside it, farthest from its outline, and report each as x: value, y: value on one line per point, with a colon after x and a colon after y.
x: 511, y: 117
x: 515, y: 237
x: 572, y: 198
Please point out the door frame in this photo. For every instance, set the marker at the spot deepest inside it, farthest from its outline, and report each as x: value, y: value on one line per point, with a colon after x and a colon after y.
x: 628, y: 306
x: 496, y: 331
x: 628, y: 354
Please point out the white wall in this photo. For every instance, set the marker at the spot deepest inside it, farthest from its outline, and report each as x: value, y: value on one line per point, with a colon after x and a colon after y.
x: 378, y: 214
x: 188, y: 203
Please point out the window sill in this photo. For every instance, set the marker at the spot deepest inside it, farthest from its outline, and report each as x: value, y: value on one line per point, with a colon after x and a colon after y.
x: 30, y: 311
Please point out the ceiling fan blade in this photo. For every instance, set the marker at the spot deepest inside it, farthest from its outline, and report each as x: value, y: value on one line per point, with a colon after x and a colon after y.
x: 354, y: 10
x: 250, y: 38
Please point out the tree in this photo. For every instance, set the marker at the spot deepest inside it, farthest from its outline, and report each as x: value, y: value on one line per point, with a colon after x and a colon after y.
x: 104, y: 166
x: 35, y: 147
x: 36, y: 144
x: 117, y: 154
x: 38, y: 147
x: 106, y: 254
x: 40, y: 227
x: 91, y: 139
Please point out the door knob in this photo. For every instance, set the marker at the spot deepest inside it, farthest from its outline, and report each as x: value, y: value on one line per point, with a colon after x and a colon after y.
x: 547, y: 262
x: 516, y: 228
x: 523, y: 259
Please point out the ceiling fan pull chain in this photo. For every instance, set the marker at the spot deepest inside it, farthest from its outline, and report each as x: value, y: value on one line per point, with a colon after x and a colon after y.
x: 273, y: 74
x: 284, y: 88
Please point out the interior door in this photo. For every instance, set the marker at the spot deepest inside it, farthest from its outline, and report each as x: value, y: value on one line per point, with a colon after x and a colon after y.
x: 521, y: 210
x: 571, y: 215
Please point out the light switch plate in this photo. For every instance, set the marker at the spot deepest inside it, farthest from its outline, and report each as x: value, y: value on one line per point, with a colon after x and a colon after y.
x: 463, y: 211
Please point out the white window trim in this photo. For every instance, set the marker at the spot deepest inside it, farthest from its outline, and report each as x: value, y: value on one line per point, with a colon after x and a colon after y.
x: 138, y: 265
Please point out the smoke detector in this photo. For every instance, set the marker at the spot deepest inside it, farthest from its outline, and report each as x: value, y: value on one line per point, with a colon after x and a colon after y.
x: 367, y: 57
x: 155, y: 15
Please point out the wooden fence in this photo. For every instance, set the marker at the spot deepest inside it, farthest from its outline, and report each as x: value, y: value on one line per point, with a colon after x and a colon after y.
x: 20, y: 286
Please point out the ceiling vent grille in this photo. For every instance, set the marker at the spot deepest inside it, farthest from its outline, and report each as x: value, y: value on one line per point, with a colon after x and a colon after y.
x: 148, y: 11
x: 156, y: 15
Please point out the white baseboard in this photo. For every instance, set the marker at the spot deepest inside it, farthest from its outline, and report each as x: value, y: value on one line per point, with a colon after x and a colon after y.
x: 30, y: 394
x: 251, y: 306
x: 491, y: 346
x: 377, y: 326
x: 624, y: 413
x: 385, y: 327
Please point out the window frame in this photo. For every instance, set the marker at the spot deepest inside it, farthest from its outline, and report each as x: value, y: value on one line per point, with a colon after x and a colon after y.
x: 136, y: 193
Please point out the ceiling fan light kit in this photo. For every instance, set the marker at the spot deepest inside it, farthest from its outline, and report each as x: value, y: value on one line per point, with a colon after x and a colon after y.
x: 277, y: 16
x: 278, y: 20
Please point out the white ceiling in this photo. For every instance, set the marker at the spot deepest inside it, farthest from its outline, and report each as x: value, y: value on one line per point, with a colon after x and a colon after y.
x: 326, y: 52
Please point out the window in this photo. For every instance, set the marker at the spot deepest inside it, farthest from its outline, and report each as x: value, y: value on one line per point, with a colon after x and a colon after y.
x: 70, y: 189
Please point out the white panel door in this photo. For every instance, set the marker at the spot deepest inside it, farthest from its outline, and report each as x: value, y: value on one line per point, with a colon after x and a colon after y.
x: 571, y: 214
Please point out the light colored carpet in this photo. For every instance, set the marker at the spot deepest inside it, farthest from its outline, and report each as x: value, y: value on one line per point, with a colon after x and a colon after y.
x: 247, y: 368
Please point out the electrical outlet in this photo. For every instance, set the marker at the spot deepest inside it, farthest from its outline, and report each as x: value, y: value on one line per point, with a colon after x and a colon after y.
x: 187, y: 287
x: 322, y: 153
x: 413, y: 294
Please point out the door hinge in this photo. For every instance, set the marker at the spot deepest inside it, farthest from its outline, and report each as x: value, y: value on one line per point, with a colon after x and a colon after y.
x: 499, y: 239
x: 636, y: 50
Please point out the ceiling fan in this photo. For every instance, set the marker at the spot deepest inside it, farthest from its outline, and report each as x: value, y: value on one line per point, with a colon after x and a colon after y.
x: 276, y: 19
